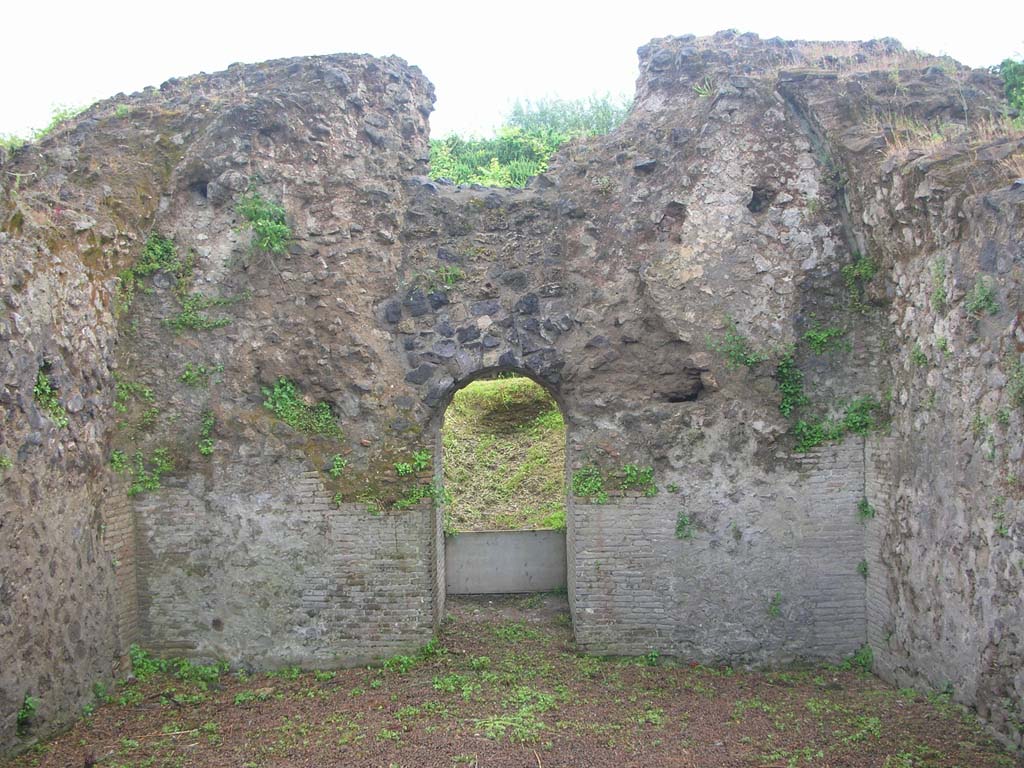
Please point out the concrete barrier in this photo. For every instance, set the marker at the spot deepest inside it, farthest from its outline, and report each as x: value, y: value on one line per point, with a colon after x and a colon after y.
x: 493, y: 562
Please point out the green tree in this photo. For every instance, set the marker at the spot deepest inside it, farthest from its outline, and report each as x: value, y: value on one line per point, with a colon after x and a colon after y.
x: 522, y: 147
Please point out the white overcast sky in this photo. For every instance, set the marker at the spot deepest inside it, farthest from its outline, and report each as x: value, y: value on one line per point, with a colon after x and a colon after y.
x: 480, y: 55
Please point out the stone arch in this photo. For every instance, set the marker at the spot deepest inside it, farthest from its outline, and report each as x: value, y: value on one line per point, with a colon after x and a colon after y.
x: 436, y: 425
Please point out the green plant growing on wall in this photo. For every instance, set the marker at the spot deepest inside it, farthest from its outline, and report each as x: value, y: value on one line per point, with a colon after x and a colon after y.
x: 861, y: 417
x: 856, y: 276
x: 434, y: 491
x: 736, y: 348
x: 125, y: 391
x: 403, y: 468
x: 338, y: 464
x: 637, y: 478
x: 790, y: 380
x: 863, y: 659
x: 45, y: 395
x: 979, y: 424
x: 706, y: 88
x: 1015, y: 383
x: 206, y: 425
x: 118, y: 461
x: 27, y: 711
x: 939, y: 296
x: 775, y: 605
x: 865, y: 511
x: 684, y: 526
x: 588, y: 483
x: 5, y: 463
x: 195, y: 375
x: 862, y: 568
x: 146, y: 474
x: 284, y: 401
x: 192, y: 315
x: 421, y: 460
x: 918, y: 357
x: 271, y: 232
x: 822, y: 339
x: 159, y: 254
x: 981, y: 299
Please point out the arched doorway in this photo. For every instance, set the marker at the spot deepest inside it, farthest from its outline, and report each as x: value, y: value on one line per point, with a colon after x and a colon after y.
x: 500, y: 441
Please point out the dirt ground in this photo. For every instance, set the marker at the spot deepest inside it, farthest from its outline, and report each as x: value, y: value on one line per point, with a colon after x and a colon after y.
x: 502, y: 686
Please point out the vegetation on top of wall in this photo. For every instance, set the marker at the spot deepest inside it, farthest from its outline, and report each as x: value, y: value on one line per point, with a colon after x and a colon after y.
x: 1013, y: 81
x: 60, y: 115
x: 270, y: 229
x: 522, y: 147
x: 45, y: 395
x: 284, y: 400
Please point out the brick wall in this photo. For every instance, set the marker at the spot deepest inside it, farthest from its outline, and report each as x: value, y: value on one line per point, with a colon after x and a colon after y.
x: 272, y: 579
x: 771, y: 578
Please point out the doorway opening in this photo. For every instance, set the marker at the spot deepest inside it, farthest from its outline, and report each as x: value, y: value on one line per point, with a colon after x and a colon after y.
x: 504, y: 473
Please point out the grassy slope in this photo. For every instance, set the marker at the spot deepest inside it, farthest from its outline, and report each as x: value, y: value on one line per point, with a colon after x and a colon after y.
x: 504, y: 457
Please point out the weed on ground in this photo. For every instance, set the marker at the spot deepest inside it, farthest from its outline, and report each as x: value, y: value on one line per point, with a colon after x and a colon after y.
x: 503, y: 685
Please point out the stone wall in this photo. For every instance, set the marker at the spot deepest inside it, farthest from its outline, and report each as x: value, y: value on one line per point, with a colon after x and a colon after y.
x: 653, y: 279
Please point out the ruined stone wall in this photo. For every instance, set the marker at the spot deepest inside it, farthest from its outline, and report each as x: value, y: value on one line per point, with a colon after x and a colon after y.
x: 944, y: 222
x: 653, y: 280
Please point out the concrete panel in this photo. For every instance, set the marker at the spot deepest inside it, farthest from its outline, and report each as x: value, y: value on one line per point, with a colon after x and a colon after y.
x: 492, y: 562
